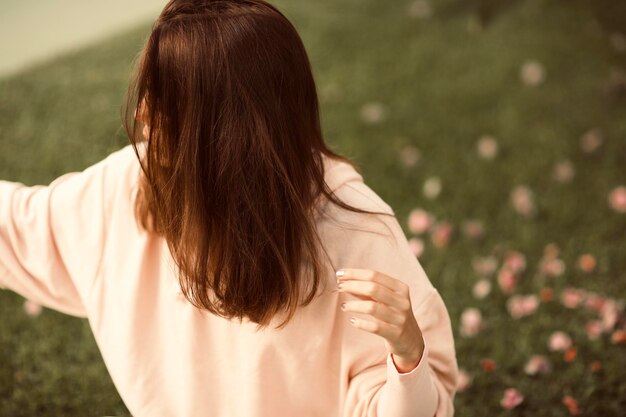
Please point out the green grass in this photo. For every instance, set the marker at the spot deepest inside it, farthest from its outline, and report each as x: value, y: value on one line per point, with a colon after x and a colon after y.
x: 443, y: 82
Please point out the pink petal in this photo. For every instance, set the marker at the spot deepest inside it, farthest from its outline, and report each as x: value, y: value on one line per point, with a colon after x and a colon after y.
x: 617, y: 199
x: 410, y: 156
x: 591, y: 140
x: 563, y: 171
x: 507, y: 280
x: 532, y: 73
x: 618, y: 337
x: 595, y: 302
x: 432, y: 187
x: 417, y: 246
x: 373, y: 112
x: 511, y: 399
x: 572, y: 297
x: 471, y: 322
x: 538, y: 364
x: 520, y: 305
x: 609, y: 313
x: 559, y: 341
x: 551, y: 251
x: 419, y: 221
x: 487, y: 147
x: 552, y: 267
x: 515, y: 261
x: 32, y: 309
x: 484, y: 266
x: 473, y: 229
x: 481, y: 288
x: 587, y: 262
x: 441, y: 234
x: 464, y: 381
x: 523, y: 201
x: 594, y: 329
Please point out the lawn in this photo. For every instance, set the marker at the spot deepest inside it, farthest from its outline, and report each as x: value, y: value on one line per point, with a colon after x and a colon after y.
x: 497, y: 134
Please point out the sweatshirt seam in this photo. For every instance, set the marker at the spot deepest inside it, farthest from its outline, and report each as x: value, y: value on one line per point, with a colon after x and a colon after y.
x: 56, y: 250
x: 384, y: 207
x: 99, y: 268
x: 105, y: 229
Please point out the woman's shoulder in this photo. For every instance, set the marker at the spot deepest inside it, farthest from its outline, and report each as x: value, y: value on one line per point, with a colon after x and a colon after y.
x: 117, y: 175
x: 368, y: 240
x: 349, y: 185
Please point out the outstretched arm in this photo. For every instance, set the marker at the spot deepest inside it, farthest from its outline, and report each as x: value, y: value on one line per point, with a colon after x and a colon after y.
x: 52, y: 237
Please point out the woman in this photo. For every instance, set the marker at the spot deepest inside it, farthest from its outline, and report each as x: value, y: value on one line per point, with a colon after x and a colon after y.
x: 202, y: 252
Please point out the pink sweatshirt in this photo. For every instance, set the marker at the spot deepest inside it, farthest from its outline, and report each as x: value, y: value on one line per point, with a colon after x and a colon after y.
x: 74, y: 246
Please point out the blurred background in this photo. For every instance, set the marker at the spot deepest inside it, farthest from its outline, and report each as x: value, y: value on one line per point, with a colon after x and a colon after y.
x: 495, y: 129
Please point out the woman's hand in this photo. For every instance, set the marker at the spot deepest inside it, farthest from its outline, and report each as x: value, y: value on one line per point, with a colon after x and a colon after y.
x: 387, y: 301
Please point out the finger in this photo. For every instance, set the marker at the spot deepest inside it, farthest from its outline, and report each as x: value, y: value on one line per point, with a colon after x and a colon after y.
x: 379, y: 311
x: 373, y: 290
x: 372, y: 275
x: 380, y: 328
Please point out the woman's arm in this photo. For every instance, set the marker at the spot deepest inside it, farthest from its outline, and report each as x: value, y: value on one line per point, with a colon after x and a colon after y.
x: 429, y: 389
x: 377, y: 388
x: 426, y: 391
x: 52, y: 237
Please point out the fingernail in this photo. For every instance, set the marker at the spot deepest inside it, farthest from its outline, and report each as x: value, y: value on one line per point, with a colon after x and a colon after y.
x: 339, y: 285
x: 343, y: 306
x: 340, y: 273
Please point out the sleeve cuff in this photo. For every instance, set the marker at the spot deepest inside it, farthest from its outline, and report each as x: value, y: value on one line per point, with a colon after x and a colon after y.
x: 408, y: 394
x: 417, y: 375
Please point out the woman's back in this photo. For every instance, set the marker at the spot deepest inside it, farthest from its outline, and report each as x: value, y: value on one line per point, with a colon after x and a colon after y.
x: 214, y: 213
x: 168, y: 358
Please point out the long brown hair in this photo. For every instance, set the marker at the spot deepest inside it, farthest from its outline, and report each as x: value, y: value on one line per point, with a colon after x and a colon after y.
x: 232, y: 168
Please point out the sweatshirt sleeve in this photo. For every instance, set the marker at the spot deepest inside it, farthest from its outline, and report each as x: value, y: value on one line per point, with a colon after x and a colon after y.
x: 377, y: 388
x: 52, y: 237
x: 428, y: 389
